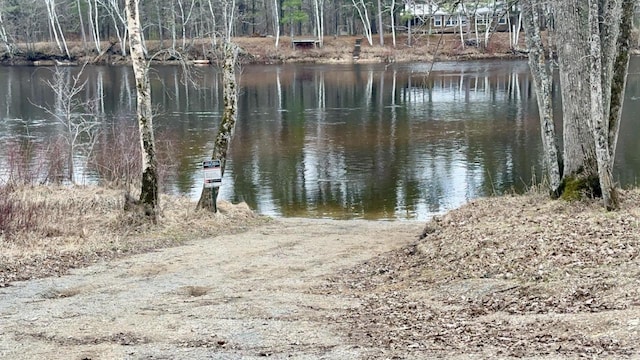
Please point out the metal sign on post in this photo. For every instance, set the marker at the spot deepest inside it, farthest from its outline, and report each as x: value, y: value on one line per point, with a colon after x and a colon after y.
x: 212, y: 173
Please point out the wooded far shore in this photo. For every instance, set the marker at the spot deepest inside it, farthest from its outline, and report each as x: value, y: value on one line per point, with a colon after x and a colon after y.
x: 262, y: 50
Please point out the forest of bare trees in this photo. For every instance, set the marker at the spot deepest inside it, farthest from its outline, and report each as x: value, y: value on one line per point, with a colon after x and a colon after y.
x: 94, y: 24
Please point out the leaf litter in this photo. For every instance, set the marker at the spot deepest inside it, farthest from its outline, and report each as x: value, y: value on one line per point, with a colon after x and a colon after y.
x: 508, y: 277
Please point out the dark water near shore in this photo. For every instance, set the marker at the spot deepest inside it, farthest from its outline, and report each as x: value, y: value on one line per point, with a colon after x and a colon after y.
x: 340, y: 141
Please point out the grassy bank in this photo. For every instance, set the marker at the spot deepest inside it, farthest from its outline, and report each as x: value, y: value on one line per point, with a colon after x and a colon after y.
x: 46, y: 230
x: 262, y: 50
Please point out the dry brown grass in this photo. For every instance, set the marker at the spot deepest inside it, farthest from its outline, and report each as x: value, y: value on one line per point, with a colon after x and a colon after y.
x: 339, y: 49
x: 74, y: 226
x: 336, y: 49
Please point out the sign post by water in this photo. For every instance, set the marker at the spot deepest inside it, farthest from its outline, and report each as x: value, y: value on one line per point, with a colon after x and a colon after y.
x: 212, y: 177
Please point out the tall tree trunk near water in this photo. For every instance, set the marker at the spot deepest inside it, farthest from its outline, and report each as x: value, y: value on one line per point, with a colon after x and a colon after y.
x: 94, y: 24
x: 543, y: 79
x: 620, y: 70
x: 572, y: 38
x: 276, y: 23
x: 593, y: 54
x: 209, y: 196
x: 599, y: 113
x: 56, y: 29
x: 380, y: 27
x: 149, y: 189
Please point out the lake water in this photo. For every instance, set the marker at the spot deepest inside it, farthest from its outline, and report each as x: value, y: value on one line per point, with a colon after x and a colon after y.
x: 340, y: 141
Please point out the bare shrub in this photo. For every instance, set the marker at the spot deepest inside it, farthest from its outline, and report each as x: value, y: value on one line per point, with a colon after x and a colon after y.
x: 167, y: 162
x: 26, y: 162
x: 54, y: 156
x: 116, y: 158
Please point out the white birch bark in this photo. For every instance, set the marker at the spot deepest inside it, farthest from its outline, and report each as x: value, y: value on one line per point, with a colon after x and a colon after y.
x: 319, y: 15
x: 229, y: 7
x: 185, y: 18
x: 5, y: 38
x: 276, y: 22
x: 380, y: 25
x: 543, y: 79
x: 393, y: 22
x: 56, y: 28
x: 94, y: 24
x: 363, y: 13
x: 609, y: 25
x: 149, y: 189
x: 82, y: 30
x: 119, y: 20
x: 208, y: 197
x: 598, y: 112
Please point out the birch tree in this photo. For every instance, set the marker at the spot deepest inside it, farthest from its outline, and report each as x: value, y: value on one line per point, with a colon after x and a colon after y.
x: 8, y: 44
x: 94, y: 23
x: 119, y: 22
x: 276, y: 22
x: 543, y: 79
x: 593, y: 55
x: 209, y: 196
x: 185, y: 17
x: 318, y: 6
x: 380, y: 24
x: 363, y: 13
x: 55, y: 27
x: 214, y: 41
x: 149, y: 187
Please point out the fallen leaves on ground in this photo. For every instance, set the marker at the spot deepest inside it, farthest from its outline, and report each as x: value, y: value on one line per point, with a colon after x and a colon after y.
x: 510, y: 276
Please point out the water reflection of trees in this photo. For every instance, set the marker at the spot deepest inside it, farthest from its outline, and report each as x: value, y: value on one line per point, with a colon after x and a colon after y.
x: 342, y: 141
x: 381, y: 143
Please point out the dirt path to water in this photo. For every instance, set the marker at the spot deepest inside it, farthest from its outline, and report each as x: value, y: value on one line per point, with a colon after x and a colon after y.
x: 235, y: 296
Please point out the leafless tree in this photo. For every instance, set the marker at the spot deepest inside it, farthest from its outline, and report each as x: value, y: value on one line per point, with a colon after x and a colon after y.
x: 79, y: 124
x: 149, y: 196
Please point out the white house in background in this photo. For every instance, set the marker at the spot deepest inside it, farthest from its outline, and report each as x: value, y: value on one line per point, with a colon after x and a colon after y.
x: 430, y: 16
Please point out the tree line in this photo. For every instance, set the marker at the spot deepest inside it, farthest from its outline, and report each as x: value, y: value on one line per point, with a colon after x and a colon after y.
x: 176, y: 23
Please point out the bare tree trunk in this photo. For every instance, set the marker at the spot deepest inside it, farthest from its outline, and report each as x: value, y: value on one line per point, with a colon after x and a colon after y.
x: 609, y: 32
x: 149, y: 193
x: 209, y: 196
x: 82, y: 30
x: 363, y: 13
x: 598, y: 113
x: 93, y: 20
x: 319, y: 15
x: 56, y: 28
x: 620, y: 70
x: 214, y: 40
x: 5, y: 39
x: 572, y: 37
x: 117, y: 16
x: 276, y: 22
x: 543, y: 79
x: 380, y: 28
x: 393, y: 22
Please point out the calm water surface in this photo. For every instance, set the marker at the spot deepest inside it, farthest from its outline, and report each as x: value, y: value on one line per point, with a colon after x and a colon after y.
x: 339, y: 141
